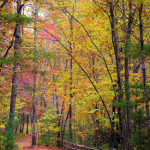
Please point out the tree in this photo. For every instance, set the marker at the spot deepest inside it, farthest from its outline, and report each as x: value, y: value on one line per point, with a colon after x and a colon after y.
x: 34, y: 80
x: 10, y: 128
x: 144, y: 72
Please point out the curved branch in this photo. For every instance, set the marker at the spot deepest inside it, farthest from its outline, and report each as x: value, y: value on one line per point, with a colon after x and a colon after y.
x: 94, y: 86
x: 3, y: 4
x: 12, y: 41
x: 94, y: 45
x: 19, y: 10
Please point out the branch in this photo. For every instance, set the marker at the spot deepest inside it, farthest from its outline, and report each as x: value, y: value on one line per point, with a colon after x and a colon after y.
x: 3, y: 4
x: 94, y: 46
x: 83, y: 71
x: 12, y: 41
x: 19, y: 10
x: 7, y: 51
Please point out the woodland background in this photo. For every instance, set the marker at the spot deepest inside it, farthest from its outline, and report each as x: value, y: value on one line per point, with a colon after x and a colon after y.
x: 75, y: 70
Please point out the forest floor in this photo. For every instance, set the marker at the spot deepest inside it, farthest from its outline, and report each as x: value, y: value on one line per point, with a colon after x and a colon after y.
x: 26, y: 144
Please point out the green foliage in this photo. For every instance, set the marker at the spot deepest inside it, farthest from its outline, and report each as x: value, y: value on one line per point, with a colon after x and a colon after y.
x: 137, y: 85
x: 105, y: 146
x: 147, y: 49
x: 94, y: 111
x: 48, y: 127
x: 66, y: 133
x: 42, y: 73
x: 46, y: 138
x: 34, y: 71
x: 49, y: 55
x: 139, y: 100
x: 139, y: 140
x: 140, y: 117
x: 125, y: 104
x: 9, y: 60
x: 135, y: 50
x: 139, y: 136
x: 15, y: 17
x: 8, y: 140
x: 56, y: 79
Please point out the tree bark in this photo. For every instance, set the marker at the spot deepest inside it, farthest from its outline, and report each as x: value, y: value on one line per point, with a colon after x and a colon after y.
x: 118, y: 67
x: 71, y: 96
x: 144, y: 74
x: 10, y: 127
x: 17, y: 125
x: 62, y: 111
x: 22, y: 129
x: 58, y: 122
x: 127, y: 41
x: 64, y: 126
x: 27, y: 130
x: 34, y: 81
x: 20, y: 123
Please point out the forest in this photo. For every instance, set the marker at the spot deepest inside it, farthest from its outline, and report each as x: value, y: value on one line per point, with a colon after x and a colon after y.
x: 74, y: 74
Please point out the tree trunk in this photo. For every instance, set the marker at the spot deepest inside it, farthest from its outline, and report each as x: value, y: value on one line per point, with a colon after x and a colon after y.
x: 22, y: 129
x: 71, y: 96
x: 127, y: 41
x: 17, y: 125
x: 98, y: 130
x: 119, y: 83
x: 58, y: 121
x: 27, y: 130
x: 20, y: 123
x: 64, y: 126
x: 144, y: 74
x: 34, y: 81
x: 62, y: 111
x: 31, y: 120
x: 10, y: 127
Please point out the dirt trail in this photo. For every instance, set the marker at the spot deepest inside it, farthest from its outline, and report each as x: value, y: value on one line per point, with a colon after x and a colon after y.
x: 26, y: 144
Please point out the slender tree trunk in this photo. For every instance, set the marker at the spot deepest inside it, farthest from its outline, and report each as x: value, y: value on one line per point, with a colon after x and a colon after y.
x: 127, y: 41
x: 23, y: 119
x: 98, y: 130
x: 10, y: 139
x: 31, y: 120
x: 62, y: 122
x: 54, y: 99
x: 113, y: 135
x: 71, y: 96
x: 17, y: 125
x: 98, y: 135
x: 62, y: 111
x: 64, y: 125
x: 58, y: 121
x: 144, y: 74
x: 34, y: 82
x: 70, y: 126
x: 118, y: 67
x: 127, y: 92
x: 27, y: 130
x: 16, y: 129
x: 20, y: 123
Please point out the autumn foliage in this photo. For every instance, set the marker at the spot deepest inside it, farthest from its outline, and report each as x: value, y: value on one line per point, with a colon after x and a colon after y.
x: 80, y: 70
